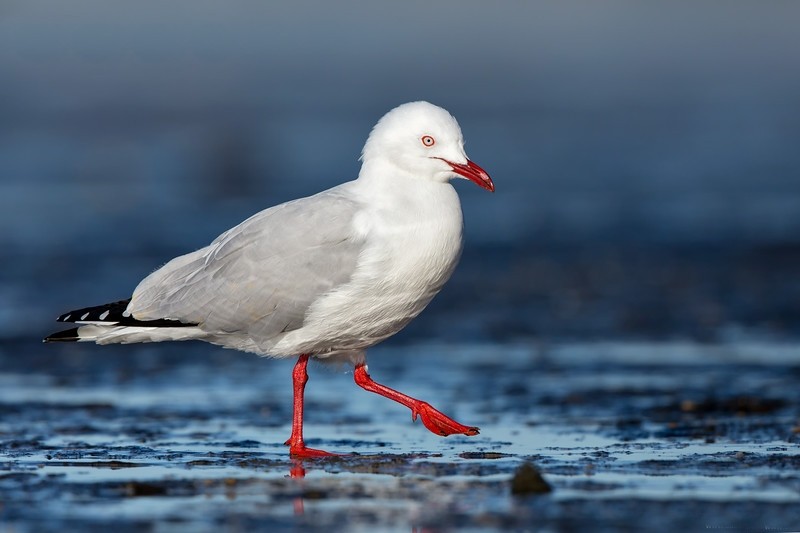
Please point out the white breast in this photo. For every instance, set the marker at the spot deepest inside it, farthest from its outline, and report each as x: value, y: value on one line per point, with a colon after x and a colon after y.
x: 413, y: 245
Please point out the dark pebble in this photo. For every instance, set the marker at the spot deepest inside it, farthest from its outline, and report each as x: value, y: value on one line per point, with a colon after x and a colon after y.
x: 528, y: 480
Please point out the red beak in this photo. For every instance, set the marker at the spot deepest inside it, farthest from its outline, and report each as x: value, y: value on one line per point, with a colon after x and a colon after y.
x: 474, y: 173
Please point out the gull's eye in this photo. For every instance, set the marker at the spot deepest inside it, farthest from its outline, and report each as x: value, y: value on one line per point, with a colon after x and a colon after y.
x: 427, y: 140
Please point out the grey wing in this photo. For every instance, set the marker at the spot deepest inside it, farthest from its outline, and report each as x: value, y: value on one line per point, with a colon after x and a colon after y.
x: 261, y: 276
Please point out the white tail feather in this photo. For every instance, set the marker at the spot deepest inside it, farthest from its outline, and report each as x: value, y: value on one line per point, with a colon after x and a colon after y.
x: 111, y: 334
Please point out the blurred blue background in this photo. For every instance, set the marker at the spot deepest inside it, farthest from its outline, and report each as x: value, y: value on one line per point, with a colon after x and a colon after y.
x: 645, y: 154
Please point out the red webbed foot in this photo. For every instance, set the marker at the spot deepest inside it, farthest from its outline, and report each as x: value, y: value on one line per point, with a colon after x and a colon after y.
x: 304, y: 451
x: 434, y: 420
x: 439, y: 423
x: 299, y: 449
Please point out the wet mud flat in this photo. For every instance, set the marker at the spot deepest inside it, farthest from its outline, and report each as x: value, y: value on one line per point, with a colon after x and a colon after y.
x: 187, y: 437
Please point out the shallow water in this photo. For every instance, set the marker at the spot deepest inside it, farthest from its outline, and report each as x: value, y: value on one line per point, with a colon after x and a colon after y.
x: 189, y: 438
x: 626, y: 316
x: 653, y: 388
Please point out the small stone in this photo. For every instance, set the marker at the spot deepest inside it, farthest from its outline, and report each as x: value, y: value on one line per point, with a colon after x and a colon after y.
x: 528, y: 480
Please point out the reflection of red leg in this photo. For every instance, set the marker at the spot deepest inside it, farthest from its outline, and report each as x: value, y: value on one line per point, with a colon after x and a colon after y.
x: 297, y: 471
x: 434, y: 420
x: 299, y: 507
x: 296, y: 445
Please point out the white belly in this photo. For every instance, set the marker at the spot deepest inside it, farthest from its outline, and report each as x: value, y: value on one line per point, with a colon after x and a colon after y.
x: 408, y: 258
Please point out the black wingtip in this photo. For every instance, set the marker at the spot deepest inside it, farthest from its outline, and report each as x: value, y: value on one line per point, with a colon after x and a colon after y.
x: 68, y: 335
x: 113, y: 314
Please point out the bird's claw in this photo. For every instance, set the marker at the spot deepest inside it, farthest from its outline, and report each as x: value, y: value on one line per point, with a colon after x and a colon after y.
x: 299, y: 449
x: 304, y: 451
x: 439, y: 423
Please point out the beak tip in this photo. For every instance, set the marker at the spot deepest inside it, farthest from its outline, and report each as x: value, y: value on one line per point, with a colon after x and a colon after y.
x: 472, y: 172
x: 480, y: 176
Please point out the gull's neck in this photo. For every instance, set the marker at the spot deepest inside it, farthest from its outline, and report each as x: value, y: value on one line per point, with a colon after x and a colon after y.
x: 380, y: 174
x: 405, y: 199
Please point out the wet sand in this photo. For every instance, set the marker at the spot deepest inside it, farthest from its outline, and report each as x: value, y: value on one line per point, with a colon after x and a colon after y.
x: 186, y: 437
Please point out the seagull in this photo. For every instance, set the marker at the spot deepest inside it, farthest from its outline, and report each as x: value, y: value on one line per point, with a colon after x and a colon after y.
x: 323, y: 277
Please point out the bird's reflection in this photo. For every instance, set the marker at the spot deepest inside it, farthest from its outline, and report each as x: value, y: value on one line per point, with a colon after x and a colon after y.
x: 298, y: 471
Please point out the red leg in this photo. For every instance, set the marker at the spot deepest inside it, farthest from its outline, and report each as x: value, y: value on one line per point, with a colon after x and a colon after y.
x: 296, y: 445
x: 434, y: 420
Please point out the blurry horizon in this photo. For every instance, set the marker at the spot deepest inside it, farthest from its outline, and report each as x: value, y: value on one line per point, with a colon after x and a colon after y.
x: 133, y: 132
x: 668, y: 122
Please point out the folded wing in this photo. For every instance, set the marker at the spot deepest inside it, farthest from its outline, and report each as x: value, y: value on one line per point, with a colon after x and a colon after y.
x: 260, y: 277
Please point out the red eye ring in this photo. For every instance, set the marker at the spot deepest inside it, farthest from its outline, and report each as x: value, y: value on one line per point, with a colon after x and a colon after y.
x: 428, y: 141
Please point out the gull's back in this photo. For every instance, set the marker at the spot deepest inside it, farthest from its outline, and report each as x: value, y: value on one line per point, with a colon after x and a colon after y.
x: 255, y: 282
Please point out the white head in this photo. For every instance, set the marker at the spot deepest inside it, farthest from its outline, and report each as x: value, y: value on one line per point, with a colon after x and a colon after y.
x: 425, y: 141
